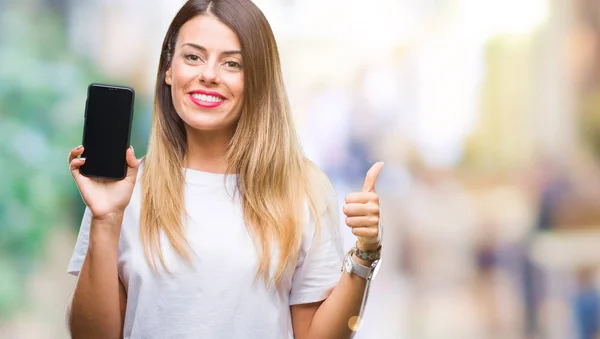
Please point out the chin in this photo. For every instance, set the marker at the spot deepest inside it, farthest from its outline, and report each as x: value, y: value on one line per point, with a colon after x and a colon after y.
x: 209, y: 122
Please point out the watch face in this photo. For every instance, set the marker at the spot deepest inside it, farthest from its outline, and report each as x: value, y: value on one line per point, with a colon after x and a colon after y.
x: 348, y: 265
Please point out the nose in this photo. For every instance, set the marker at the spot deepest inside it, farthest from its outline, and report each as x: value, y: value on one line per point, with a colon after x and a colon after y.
x: 209, y: 75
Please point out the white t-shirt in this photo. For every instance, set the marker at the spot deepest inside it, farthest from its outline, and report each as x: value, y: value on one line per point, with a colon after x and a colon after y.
x: 217, y: 297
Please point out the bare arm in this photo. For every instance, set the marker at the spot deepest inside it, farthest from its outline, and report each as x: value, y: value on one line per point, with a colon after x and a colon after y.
x: 329, y: 319
x: 97, y: 307
x: 334, y: 317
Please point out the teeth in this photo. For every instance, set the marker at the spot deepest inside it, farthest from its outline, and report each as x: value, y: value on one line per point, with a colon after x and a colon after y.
x: 207, y: 98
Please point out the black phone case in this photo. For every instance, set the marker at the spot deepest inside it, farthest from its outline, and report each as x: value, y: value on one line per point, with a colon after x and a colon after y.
x: 129, y: 129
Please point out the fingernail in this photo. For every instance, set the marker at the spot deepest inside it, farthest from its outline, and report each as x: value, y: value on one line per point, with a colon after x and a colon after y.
x: 79, y: 147
x: 132, y: 150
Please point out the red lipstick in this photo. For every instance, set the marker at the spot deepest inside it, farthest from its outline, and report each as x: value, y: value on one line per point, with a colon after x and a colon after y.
x: 207, y: 99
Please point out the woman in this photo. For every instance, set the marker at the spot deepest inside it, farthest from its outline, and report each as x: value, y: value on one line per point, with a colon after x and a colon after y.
x: 224, y: 230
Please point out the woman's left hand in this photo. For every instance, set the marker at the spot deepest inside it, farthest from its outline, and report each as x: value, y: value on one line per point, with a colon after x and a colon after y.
x: 362, y: 212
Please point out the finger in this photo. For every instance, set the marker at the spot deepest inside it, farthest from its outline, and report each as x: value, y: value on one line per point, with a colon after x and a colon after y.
x: 372, y: 176
x: 368, y: 233
x: 75, y: 152
x: 362, y: 198
x: 74, y: 166
x: 370, y: 221
x: 358, y: 210
x: 132, y: 161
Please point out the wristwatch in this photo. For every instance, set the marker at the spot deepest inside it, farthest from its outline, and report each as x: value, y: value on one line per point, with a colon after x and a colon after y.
x: 365, y: 272
x: 353, y: 267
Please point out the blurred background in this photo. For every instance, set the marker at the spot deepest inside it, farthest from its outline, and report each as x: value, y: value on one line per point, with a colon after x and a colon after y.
x: 485, y: 112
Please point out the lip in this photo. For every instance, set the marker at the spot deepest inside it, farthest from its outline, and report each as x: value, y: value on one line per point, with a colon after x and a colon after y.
x: 214, y: 94
x: 206, y: 104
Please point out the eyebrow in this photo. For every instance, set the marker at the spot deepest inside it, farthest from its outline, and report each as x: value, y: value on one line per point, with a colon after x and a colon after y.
x: 203, y: 49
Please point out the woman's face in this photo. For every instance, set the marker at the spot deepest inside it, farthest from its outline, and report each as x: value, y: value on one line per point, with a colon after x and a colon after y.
x: 206, y: 75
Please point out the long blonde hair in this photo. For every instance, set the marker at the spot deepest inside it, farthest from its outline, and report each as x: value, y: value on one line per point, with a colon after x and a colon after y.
x: 275, y: 180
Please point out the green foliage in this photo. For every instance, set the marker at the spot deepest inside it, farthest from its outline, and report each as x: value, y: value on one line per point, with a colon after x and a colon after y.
x: 43, y: 86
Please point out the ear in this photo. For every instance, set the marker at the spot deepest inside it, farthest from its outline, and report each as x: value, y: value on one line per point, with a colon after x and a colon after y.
x: 168, y: 78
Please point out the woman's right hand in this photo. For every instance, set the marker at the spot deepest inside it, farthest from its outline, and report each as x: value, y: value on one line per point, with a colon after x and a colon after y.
x: 104, y: 197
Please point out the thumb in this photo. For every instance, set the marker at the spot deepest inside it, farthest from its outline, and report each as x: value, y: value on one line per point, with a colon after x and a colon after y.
x: 372, y: 176
x: 132, y: 162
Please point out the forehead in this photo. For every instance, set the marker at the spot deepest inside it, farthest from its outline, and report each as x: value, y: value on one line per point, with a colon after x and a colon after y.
x: 209, y: 32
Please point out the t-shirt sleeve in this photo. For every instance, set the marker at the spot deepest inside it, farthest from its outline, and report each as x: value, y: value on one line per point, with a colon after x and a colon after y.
x: 81, y: 246
x: 320, y: 258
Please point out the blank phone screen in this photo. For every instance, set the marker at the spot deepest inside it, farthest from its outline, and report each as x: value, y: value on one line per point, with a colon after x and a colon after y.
x: 106, y: 131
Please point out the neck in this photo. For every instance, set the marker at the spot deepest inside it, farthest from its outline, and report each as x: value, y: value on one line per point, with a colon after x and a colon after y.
x: 206, y: 150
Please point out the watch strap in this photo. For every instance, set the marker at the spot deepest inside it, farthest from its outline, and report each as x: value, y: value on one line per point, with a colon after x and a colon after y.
x: 353, y: 267
x: 370, y: 256
x: 360, y: 269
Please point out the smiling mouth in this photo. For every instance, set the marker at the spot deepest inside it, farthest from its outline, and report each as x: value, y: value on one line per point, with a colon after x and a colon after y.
x: 206, y: 100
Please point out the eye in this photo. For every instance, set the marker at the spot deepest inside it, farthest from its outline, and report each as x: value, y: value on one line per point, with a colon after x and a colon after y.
x: 233, y: 64
x: 192, y: 57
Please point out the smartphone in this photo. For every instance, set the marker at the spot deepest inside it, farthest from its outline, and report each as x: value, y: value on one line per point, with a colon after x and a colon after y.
x: 107, y: 130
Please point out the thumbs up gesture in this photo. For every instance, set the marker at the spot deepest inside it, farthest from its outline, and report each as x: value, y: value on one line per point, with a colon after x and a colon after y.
x: 362, y: 212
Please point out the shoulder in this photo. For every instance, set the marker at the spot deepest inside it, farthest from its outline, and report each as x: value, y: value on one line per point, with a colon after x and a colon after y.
x: 321, y: 204
x: 322, y: 243
x: 319, y: 186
